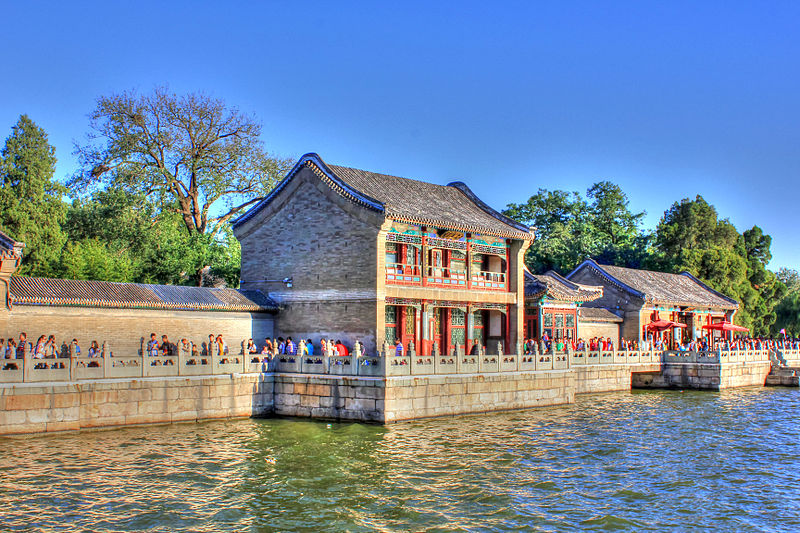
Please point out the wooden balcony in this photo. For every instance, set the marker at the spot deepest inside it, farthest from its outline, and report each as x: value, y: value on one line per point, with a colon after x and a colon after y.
x: 445, y: 277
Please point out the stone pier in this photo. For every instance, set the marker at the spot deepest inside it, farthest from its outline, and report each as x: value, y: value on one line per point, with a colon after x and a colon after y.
x: 123, y: 391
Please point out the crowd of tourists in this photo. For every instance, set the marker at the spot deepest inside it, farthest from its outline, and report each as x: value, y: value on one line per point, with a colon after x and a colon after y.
x: 258, y: 353
x: 594, y: 344
x: 287, y: 348
x: 761, y: 343
x: 45, y: 347
x: 657, y: 343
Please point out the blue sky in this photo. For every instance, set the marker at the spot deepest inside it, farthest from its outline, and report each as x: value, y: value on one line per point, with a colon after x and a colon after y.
x: 667, y: 99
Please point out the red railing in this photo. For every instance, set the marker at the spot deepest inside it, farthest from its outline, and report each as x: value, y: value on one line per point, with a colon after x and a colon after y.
x: 401, y: 274
x: 488, y: 280
x: 446, y: 277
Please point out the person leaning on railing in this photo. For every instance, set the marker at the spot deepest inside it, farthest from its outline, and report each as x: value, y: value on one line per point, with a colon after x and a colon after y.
x: 9, y: 351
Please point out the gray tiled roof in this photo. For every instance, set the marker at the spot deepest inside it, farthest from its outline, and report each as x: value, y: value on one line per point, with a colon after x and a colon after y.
x: 83, y: 293
x: 597, y: 314
x: 453, y: 206
x: 665, y: 288
x: 450, y: 206
x: 557, y: 287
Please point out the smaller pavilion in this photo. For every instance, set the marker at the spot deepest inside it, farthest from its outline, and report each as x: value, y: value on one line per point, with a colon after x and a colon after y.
x: 552, y: 305
x: 673, y: 307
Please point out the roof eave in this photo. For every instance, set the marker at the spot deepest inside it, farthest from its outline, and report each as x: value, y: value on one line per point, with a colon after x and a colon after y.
x: 593, y: 264
x: 337, y: 184
x: 466, y: 191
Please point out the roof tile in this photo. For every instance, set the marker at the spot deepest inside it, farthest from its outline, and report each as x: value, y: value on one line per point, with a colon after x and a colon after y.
x: 83, y: 293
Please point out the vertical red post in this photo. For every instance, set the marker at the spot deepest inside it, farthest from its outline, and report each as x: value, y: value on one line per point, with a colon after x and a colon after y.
x: 506, y: 346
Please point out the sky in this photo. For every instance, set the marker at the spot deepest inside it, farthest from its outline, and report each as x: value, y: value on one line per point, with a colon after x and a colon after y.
x: 667, y: 99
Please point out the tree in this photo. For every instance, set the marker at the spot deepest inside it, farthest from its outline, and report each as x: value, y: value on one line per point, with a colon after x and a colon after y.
x: 570, y: 228
x: 31, y: 205
x: 691, y: 237
x: 191, y: 154
x: 612, y: 219
x: 563, y: 234
x: 142, y: 243
x: 787, y: 312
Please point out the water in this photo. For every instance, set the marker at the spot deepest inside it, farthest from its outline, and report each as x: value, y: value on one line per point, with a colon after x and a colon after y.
x: 659, y: 461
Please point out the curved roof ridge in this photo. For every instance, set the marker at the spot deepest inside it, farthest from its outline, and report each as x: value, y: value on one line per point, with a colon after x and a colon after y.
x: 709, y: 289
x: 317, y: 161
x: 413, y: 201
x: 461, y: 186
x: 592, y: 263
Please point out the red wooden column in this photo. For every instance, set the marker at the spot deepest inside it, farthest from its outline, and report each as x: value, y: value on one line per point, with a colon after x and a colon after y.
x: 468, y: 236
x: 506, y: 348
x: 424, y: 251
x: 507, y: 272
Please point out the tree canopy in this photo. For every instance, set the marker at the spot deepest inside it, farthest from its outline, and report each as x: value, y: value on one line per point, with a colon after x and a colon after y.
x: 31, y: 205
x: 570, y: 228
x: 193, y: 153
x: 190, y: 156
x: 693, y: 238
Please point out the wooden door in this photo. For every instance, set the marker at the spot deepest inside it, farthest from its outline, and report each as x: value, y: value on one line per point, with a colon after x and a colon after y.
x: 436, y: 328
x: 458, y: 330
x: 409, y: 327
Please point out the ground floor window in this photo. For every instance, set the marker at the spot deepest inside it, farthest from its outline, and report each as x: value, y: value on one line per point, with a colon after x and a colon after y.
x: 559, y: 324
x: 391, y: 324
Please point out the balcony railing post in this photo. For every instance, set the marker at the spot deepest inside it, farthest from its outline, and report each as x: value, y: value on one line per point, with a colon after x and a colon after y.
x: 27, y: 363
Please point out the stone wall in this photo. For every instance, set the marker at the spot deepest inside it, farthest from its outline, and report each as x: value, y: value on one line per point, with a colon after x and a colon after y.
x: 607, y: 378
x: 338, y: 320
x: 704, y: 376
x: 123, y: 329
x: 587, y: 330
x: 336, y: 397
x: 36, y: 408
x: 328, y: 246
x: 415, y: 397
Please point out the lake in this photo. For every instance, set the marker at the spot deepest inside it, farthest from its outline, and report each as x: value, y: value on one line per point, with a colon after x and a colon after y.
x: 641, y: 460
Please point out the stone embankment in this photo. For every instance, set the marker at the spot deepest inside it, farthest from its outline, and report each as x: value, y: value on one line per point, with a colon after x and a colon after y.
x: 785, y: 369
x: 40, y: 395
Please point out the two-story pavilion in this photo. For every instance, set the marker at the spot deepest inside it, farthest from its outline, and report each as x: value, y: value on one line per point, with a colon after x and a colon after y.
x: 378, y: 257
x: 642, y: 297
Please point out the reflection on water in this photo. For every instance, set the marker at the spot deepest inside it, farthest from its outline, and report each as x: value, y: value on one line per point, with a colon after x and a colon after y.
x: 644, y: 460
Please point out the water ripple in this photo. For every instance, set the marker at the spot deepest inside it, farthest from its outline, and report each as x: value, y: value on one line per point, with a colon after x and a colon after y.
x: 639, y: 461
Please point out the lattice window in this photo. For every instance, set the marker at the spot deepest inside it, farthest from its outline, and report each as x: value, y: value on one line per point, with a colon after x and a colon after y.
x: 391, y: 314
x: 570, y: 321
x: 477, y: 325
x: 559, y: 318
x: 391, y: 334
x: 494, y: 250
x: 548, y: 320
x: 447, y: 244
x: 407, y: 239
x: 458, y: 336
x: 409, y: 321
x: 457, y: 317
x: 391, y: 247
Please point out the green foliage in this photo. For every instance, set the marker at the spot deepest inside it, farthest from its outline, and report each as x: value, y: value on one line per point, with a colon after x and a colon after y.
x: 143, y: 243
x: 31, y: 205
x: 787, y: 312
x: 196, y: 161
x: 570, y: 228
x: 95, y: 259
x: 691, y: 237
x: 192, y: 152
